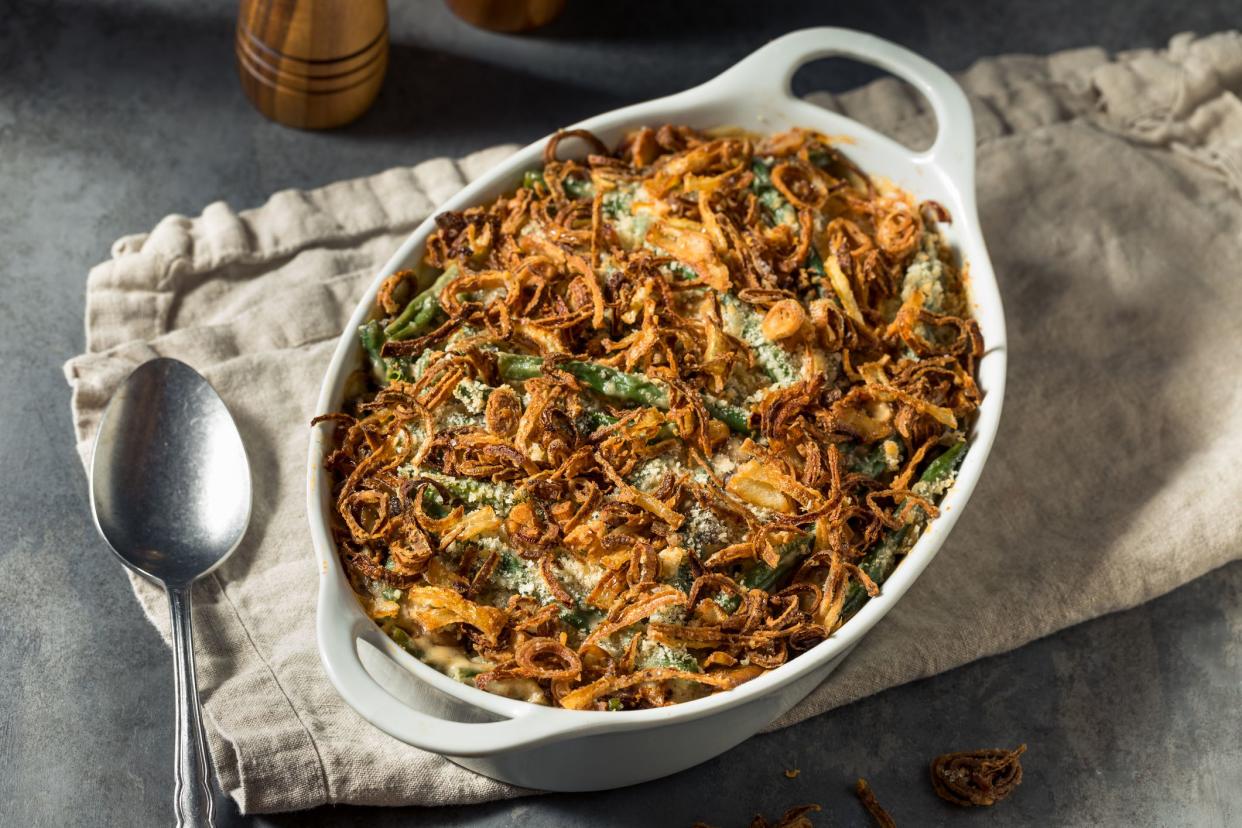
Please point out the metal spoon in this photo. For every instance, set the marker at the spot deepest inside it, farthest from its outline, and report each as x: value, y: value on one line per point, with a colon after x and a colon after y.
x: 170, y: 491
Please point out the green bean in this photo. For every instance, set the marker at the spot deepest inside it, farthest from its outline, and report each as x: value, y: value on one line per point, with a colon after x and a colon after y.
x: 875, y: 462
x: 681, y: 271
x: 533, y: 179
x: 469, y: 491
x: 813, y: 262
x: 872, y: 464
x: 580, y: 619
x: 762, y: 576
x: 383, y: 369
x: 398, y: 369
x: 592, y: 421
x: 618, y: 385
x: 736, y: 418
x: 880, y: 562
x: 763, y: 176
x: 434, y: 504
x: 617, y: 203
x: 776, y: 209
x: 403, y: 640
x: 516, y: 367
x: 415, y: 308
x: 667, y: 657
x: 458, y: 672
x: 372, y: 338
x: 942, y: 467
x: 420, y: 313
x: 578, y: 188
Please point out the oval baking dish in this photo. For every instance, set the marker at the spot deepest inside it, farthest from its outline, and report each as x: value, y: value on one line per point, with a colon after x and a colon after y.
x: 570, y: 750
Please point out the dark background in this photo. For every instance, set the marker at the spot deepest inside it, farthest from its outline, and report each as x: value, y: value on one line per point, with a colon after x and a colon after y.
x: 113, y: 114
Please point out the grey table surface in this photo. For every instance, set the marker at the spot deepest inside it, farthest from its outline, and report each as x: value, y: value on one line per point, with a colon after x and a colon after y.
x: 113, y: 114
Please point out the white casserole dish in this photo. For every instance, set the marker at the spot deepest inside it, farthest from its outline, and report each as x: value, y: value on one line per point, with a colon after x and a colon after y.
x: 567, y: 750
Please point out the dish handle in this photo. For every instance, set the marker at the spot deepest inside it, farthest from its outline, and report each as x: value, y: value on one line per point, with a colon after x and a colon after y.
x: 342, y: 661
x: 769, y: 71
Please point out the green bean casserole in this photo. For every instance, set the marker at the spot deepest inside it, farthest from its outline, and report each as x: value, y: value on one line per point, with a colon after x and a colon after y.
x: 655, y: 422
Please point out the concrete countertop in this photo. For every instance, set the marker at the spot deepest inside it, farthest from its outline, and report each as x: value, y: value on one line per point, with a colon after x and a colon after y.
x: 114, y: 114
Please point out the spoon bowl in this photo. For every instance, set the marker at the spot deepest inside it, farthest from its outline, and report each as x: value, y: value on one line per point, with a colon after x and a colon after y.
x: 170, y: 493
x: 170, y: 483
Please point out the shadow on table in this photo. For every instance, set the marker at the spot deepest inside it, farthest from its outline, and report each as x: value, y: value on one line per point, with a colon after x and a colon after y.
x: 429, y: 90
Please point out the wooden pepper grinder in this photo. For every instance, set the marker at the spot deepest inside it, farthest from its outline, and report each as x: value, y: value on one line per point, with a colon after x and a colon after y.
x: 312, y: 64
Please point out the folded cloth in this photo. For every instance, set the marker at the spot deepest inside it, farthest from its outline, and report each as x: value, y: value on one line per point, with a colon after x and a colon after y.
x: 1108, y: 191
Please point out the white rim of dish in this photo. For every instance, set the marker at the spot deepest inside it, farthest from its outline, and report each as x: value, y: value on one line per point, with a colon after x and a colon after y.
x: 764, y: 75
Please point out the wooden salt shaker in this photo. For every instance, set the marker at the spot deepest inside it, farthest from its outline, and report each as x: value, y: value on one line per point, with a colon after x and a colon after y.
x: 312, y: 64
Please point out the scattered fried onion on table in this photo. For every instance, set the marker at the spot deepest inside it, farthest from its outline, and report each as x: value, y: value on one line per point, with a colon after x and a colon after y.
x: 657, y: 421
x: 866, y: 796
x: 980, y: 777
x: 796, y: 817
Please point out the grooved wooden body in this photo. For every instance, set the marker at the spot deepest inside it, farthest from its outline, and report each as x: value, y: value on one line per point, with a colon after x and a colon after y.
x: 312, y: 64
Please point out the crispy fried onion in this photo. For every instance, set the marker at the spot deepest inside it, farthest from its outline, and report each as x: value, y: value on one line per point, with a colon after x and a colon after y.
x: 795, y: 817
x: 435, y: 607
x: 638, y: 604
x: 547, y: 658
x: 583, y: 697
x: 879, y: 815
x: 978, y: 777
x: 628, y: 494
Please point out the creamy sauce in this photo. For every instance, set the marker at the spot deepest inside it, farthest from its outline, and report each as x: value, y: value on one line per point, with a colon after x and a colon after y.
x: 522, y: 689
x: 457, y: 665
x: 448, y: 660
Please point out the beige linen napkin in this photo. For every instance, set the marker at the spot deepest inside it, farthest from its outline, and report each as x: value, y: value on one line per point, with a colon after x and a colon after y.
x: 1108, y: 192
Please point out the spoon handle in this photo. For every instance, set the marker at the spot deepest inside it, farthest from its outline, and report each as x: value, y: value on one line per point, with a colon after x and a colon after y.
x: 192, y: 796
